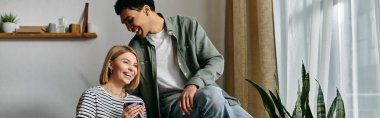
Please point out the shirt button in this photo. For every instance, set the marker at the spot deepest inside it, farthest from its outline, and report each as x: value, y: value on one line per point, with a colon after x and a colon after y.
x: 179, y: 64
x: 185, y: 73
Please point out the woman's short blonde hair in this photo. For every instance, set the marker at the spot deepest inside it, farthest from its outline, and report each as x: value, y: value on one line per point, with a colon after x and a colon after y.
x: 113, y: 53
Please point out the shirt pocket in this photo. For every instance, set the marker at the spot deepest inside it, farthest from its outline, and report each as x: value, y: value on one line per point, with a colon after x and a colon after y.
x: 144, y: 66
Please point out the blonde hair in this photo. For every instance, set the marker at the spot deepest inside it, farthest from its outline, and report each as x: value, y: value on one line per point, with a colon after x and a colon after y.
x: 113, y: 53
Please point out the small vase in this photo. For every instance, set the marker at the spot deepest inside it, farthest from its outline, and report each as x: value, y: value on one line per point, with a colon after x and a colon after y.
x: 9, y: 27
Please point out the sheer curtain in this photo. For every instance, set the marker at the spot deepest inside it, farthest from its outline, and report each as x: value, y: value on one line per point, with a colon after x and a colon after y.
x: 338, y: 41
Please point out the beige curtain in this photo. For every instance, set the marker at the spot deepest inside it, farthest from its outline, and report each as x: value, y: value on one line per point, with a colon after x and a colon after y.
x: 249, y: 51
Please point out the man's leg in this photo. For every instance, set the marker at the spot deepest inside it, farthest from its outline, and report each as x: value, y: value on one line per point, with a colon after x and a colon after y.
x: 208, y: 103
x: 237, y: 111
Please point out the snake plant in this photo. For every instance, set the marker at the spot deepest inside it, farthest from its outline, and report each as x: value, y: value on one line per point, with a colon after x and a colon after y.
x: 275, y: 109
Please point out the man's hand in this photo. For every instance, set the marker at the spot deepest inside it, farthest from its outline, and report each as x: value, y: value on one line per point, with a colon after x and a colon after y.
x: 186, y: 99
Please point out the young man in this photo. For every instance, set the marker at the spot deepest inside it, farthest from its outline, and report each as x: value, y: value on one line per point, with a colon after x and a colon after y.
x: 179, y: 65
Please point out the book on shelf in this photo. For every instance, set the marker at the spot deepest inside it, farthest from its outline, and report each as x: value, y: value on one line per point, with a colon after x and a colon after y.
x: 31, y: 29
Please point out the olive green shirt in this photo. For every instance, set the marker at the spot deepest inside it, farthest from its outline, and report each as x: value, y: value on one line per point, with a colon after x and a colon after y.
x: 199, y: 61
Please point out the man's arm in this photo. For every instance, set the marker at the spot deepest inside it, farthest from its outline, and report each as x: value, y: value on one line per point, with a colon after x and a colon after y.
x: 210, y: 60
x: 211, y: 64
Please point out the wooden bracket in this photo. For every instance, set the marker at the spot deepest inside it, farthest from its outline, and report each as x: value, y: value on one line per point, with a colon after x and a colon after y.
x: 85, y: 19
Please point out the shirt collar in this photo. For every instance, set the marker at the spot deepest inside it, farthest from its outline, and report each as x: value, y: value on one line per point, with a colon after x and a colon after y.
x: 167, y: 24
x: 168, y: 27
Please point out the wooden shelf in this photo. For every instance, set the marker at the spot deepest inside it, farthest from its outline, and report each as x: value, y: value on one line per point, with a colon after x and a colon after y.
x: 46, y: 35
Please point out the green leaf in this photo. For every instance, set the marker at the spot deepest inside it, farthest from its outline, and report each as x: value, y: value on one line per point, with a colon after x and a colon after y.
x: 330, y: 114
x: 337, y: 105
x: 305, y: 92
x: 321, y: 108
x: 297, y: 112
x: 276, y: 80
x: 283, y: 107
x: 268, y: 104
x: 307, y: 111
x: 8, y: 18
x: 305, y: 88
x: 272, y: 102
x: 278, y: 104
x: 303, y: 70
x: 340, y: 112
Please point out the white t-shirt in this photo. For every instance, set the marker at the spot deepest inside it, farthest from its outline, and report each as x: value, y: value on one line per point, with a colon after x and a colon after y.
x: 170, y: 79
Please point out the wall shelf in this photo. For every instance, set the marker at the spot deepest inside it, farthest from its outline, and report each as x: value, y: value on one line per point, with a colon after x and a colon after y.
x: 47, y: 35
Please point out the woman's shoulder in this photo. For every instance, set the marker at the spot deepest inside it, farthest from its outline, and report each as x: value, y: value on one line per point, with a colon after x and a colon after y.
x: 93, y: 90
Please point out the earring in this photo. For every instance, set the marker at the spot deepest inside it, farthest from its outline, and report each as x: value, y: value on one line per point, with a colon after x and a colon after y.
x: 110, y: 70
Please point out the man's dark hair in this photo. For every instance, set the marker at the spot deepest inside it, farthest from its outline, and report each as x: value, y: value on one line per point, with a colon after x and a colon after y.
x: 132, y: 4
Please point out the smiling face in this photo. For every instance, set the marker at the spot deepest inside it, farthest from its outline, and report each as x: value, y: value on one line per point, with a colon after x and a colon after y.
x: 124, y: 68
x: 136, y: 20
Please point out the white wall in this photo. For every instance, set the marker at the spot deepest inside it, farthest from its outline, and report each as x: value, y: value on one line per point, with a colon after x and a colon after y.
x: 43, y: 78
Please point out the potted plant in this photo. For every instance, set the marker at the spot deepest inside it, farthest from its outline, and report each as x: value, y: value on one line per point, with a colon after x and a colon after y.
x: 9, y: 22
x: 276, y: 109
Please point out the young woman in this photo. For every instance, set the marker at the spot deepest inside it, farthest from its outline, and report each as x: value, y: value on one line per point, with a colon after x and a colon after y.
x: 120, y: 71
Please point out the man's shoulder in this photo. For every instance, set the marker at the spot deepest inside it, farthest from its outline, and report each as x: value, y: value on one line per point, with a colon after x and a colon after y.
x: 182, y: 19
x: 135, y: 41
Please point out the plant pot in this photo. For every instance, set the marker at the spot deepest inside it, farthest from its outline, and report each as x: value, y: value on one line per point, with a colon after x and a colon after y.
x: 9, y: 27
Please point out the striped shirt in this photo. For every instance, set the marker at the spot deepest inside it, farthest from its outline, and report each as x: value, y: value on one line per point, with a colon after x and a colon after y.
x: 96, y: 102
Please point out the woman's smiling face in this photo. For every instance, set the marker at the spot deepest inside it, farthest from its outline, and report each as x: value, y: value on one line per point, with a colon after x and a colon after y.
x: 124, y: 67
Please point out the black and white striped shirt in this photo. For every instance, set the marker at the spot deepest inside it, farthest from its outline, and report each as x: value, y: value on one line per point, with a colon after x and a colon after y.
x: 96, y: 102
